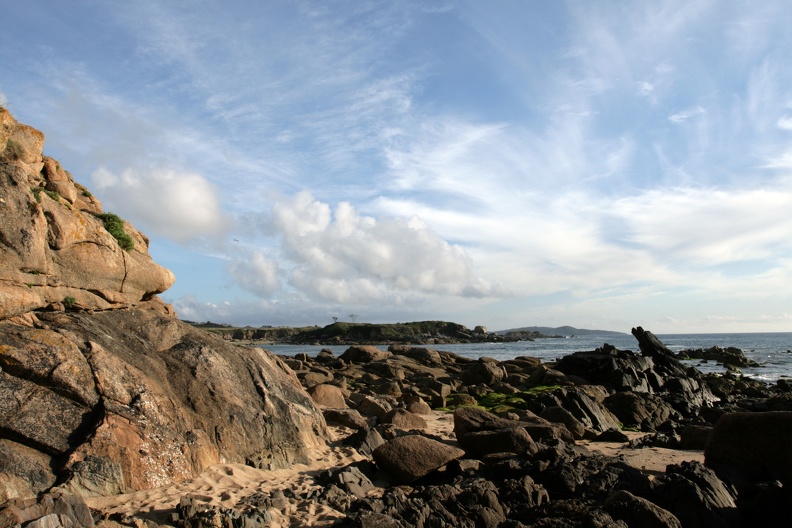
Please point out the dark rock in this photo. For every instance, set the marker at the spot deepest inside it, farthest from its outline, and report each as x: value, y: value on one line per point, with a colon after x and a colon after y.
x: 376, y: 520
x: 352, y: 480
x: 404, y: 419
x: 27, y: 471
x: 638, y: 512
x: 697, y: 496
x: 560, y: 415
x: 612, y: 435
x: 364, y: 354
x: 460, y: 400
x: 346, y: 417
x: 513, y: 439
x: 729, y: 356
x: 376, y: 407
x: 642, y: 410
x: 483, y: 372
x: 388, y: 387
x: 756, y: 445
x: 416, y: 405
x: 365, y: 441
x: 568, y: 471
x: 408, y: 458
x: 425, y: 356
x: 695, y: 437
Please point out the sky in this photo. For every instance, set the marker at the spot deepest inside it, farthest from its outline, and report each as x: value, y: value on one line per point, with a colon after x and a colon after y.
x: 503, y: 163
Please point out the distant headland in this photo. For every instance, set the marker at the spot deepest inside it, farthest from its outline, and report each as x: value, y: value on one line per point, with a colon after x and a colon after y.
x: 421, y: 332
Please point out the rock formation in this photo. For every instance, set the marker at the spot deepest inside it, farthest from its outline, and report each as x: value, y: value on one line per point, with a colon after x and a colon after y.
x: 54, y: 246
x: 102, y: 389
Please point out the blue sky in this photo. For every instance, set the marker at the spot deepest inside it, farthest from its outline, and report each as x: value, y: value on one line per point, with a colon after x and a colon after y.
x: 504, y: 163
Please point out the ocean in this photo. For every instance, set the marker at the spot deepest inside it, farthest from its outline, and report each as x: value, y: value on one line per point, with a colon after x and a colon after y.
x: 773, y: 350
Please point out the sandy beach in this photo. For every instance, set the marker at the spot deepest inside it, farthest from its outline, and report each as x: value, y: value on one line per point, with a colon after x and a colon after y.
x: 224, y: 485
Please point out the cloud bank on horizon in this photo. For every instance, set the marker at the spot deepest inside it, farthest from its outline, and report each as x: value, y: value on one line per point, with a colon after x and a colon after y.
x: 503, y: 163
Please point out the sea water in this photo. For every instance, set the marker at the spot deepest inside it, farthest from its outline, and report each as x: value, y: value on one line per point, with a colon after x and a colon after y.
x: 773, y: 351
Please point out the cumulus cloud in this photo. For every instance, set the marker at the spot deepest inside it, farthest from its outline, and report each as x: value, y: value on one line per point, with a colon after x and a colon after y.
x: 257, y: 273
x: 342, y: 256
x: 178, y: 205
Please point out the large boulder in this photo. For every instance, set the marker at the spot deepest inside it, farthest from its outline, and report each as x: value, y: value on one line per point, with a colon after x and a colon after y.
x: 755, y: 445
x: 509, y: 440
x: 364, y: 354
x: 56, y: 252
x: 637, y: 511
x: 470, y: 419
x: 643, y: 410
x: 164, y: 401
x: 408, y: 458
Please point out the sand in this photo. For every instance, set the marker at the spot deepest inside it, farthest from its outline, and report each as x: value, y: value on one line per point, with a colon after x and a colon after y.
x: 652, y: 460
x: 225, y: 484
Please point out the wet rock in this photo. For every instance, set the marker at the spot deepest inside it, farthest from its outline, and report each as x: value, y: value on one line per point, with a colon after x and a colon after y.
x: 725, y: 356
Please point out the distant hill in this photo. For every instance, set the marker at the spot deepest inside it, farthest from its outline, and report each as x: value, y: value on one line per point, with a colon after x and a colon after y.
x: 561, y: 330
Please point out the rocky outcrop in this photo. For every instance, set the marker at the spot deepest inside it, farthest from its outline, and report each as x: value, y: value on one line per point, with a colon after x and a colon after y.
x: 144, y: 397
x: 102, y: 390
x: 55, y: 252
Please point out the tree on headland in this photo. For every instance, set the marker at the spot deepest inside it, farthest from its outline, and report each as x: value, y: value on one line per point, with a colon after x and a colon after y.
x: 353, y: 317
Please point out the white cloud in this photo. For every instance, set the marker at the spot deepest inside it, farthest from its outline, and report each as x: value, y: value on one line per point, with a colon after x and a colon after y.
x: 707, y: 227
x: 256, y: 273
x: 784, y: 123
x: 181, y: 206
x: 342, y: 256
x: 684, y: 115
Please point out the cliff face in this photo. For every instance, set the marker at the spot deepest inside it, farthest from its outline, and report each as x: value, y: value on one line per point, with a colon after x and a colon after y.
x: 54, y: 245
x: 102, y: 389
